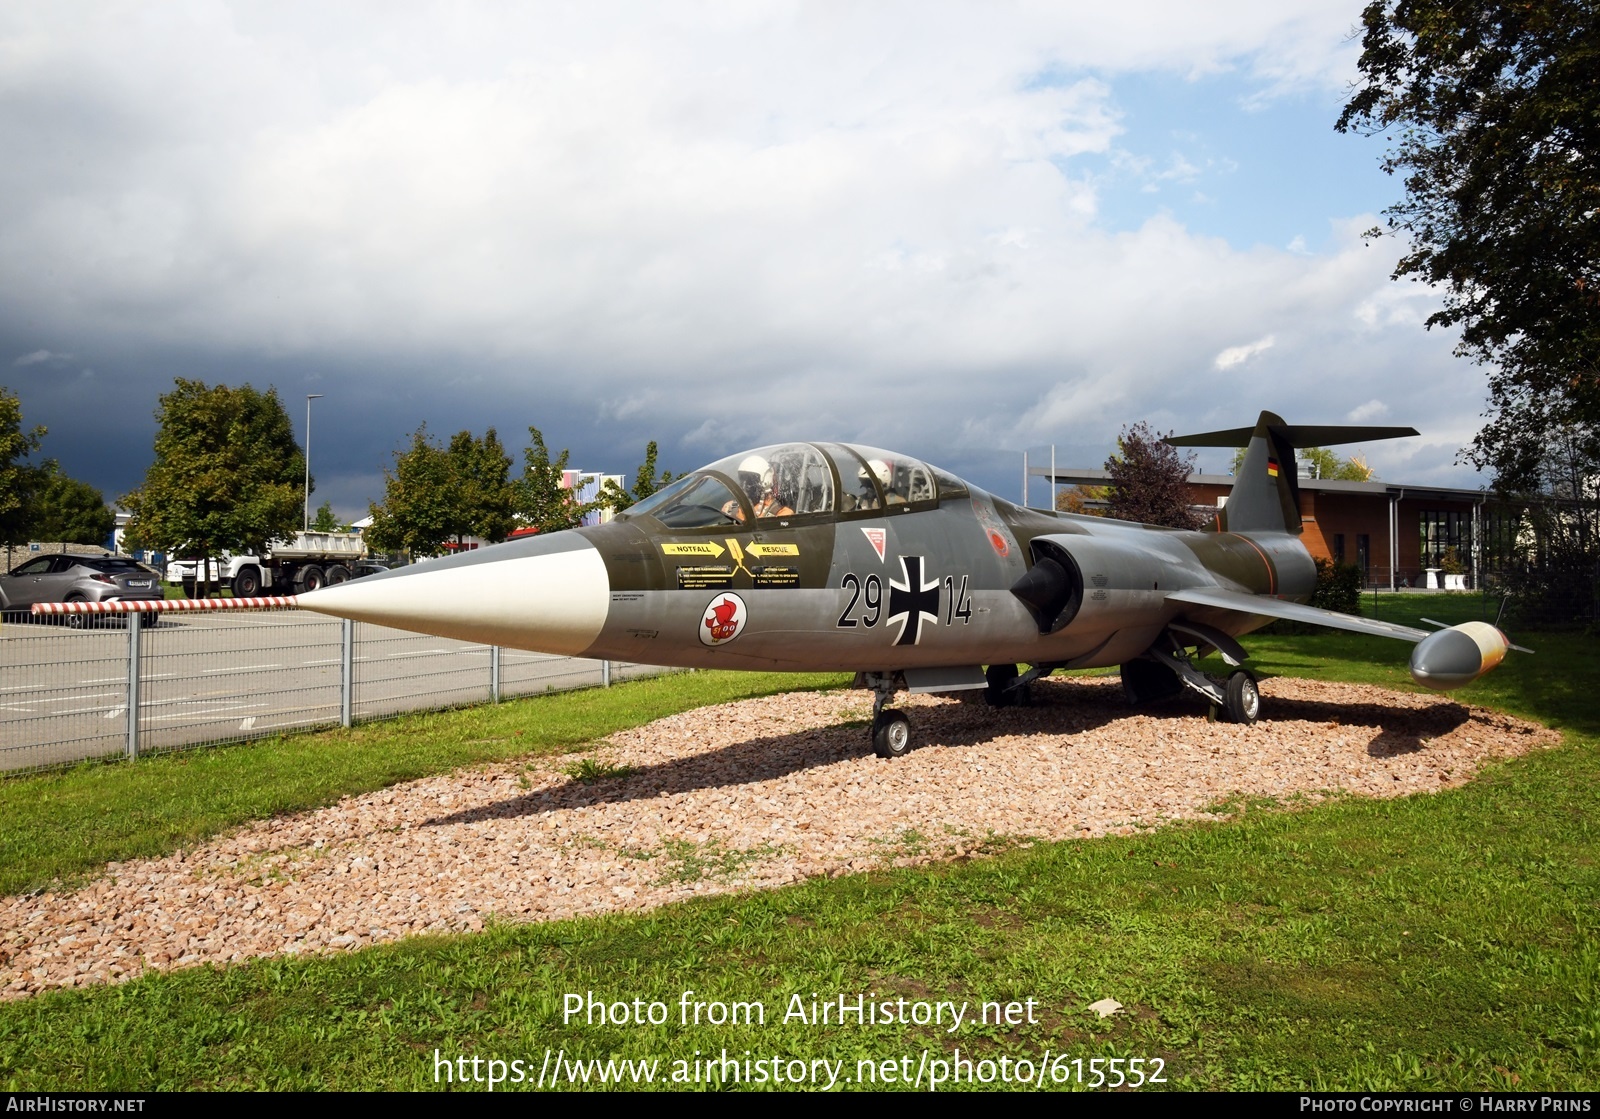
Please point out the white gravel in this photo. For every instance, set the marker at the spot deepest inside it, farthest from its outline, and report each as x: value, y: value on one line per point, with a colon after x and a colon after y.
x: 750, y: 794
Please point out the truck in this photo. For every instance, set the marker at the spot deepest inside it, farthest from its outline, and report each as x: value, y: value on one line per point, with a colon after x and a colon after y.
x: 307, y: 562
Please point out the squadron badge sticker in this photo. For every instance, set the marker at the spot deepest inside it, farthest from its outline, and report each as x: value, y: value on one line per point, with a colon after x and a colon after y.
x: 723, y: 620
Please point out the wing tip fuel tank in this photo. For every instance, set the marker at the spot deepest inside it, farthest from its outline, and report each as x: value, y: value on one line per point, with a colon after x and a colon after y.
x: 1456, y: 656
x: 551, y: 602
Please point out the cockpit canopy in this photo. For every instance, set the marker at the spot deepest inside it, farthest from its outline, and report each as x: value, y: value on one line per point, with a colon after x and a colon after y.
x: 799, y: 480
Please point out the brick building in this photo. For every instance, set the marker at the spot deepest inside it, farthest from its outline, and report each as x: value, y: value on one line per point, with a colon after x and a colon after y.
x: 1395, y: 533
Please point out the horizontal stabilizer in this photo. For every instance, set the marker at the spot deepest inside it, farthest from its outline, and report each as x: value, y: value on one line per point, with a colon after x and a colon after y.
x: 1296, y: 435
x: 1292, y: 611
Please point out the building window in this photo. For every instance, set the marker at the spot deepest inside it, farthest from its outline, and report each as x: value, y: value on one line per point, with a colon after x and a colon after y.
x: 1338, y: 547
x: 1443, y: 529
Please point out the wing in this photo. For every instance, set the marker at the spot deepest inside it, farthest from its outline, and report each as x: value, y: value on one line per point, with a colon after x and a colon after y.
x: 1294, y: 612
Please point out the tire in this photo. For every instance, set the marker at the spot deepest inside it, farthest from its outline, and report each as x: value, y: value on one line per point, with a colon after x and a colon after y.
x: 1244, y: 699
x: 337, y: 573
x: 148, y: 620
x: 1000, y: 677
x: 312, y: 578
x: 891, y: 734
x: 75, y: 621
x: 247, y: 584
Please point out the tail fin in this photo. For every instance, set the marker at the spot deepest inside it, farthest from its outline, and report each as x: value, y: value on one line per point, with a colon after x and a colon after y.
x: 1266, y: 490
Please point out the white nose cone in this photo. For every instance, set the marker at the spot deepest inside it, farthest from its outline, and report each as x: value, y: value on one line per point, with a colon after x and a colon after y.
x: 525, y: 595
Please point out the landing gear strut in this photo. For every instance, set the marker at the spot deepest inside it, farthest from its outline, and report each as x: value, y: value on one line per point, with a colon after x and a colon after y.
x: 1237, y: 697
x: 891, y: 730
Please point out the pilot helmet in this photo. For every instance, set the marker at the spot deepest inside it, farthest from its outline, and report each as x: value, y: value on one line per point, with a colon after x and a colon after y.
x: 880, y: 470
x: 755, y: 474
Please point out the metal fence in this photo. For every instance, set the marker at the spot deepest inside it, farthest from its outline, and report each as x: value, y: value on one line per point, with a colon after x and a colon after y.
x: 119, y: 686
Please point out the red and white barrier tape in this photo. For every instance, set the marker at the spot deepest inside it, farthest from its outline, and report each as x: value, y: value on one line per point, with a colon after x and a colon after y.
x: 164, y: 606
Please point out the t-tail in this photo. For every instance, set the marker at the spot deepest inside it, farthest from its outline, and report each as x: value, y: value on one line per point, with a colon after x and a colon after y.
x: 1266, y: 488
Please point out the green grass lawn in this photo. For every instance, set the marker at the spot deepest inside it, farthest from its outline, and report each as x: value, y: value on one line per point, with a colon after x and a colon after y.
x: 1446, y: 941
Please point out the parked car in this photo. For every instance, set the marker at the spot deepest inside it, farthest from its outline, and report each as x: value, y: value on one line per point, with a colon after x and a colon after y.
x: 71, y: 578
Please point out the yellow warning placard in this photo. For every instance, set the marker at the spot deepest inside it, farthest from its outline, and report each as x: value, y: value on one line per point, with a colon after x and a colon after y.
x: 707, y: 548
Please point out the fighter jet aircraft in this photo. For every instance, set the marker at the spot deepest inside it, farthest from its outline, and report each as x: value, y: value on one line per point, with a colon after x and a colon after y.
x: 836, y: 557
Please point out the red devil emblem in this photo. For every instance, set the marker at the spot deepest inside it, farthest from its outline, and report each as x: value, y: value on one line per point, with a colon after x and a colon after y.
x: 723, y: 620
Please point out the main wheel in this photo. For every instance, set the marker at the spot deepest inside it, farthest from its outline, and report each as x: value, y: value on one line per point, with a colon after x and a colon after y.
x: 337, y: 573
x: 1244, y: 698
x: 891, y: 734
x: 312, y: 578
x: 1000, y: 693
x: 247, y: 584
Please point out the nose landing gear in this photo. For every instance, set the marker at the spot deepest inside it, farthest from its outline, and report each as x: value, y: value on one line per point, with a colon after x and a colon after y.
x: 891, y: 729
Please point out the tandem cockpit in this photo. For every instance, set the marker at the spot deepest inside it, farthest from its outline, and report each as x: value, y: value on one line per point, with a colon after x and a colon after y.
x: 795, y: 482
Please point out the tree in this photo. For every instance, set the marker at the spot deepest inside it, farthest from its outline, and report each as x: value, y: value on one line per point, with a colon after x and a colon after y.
x: 71, y: 511
x: 325, y: 521
x: 645, y: 483
x: 480, y: 470
x: 19, y: 480
x: 1083, y: 499
x: 227, y: 476
x: 1496, y: 113
x: 1324, y: 464
x: 543, y: 502
x: 1150, y: 480
x: 437, y: 493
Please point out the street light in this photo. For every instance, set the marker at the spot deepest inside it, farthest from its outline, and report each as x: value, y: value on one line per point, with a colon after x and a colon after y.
x: 310, y: 396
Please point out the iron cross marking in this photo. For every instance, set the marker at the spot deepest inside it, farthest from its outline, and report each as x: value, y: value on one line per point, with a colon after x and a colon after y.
x: 912, y: 600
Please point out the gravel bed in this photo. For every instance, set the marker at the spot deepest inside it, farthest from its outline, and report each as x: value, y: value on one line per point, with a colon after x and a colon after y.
x: 743, y: 795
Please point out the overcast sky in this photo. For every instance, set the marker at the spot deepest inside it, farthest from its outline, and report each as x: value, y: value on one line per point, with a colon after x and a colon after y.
x: 956, y: 230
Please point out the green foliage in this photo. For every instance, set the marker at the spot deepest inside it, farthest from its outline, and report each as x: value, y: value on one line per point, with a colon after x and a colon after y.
x: 435, y: 494
x: 588, y: 771
x: 1494, y: 115
x: 541, y: 500
x: 19, y: 481
x: 645, y: 482
x: 1324, y: 464
x: 1150, y: 480
x: 71, y: 511
x: 1338, y: 587
x: 325, y: 521
x: 227, y: 476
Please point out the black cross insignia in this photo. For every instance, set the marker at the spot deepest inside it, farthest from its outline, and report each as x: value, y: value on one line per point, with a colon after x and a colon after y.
x: 912, y: 601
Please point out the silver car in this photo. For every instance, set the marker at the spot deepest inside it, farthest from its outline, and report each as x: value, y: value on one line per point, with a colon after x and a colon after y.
x: 70, y: 578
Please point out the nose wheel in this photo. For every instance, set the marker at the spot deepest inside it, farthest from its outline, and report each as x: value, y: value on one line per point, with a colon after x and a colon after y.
x: 891, y: 730
x: 891, y: 734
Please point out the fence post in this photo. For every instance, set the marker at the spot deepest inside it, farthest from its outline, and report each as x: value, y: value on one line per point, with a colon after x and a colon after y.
x: 135, y: 628
x: 494, y: 674
x: 347, y: 662
x: 605, y: 674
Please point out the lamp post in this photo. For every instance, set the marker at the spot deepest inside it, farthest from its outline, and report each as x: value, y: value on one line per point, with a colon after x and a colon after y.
x: 310, y: 396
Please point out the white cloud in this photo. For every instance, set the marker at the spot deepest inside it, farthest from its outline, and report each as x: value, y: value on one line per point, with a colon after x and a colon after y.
x: 40, y: 357
x: 736, y: 223
x: 1238, y: 355
x: 1371, y: 410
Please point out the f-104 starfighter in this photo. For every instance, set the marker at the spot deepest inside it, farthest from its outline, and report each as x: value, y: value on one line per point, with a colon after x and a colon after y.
x: 838, y: 557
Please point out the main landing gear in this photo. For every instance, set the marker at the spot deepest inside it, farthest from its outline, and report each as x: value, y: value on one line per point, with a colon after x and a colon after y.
x: 1164, y: 672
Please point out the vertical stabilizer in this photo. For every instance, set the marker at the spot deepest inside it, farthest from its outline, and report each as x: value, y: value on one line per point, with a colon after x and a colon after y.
x: 1266, y: 488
